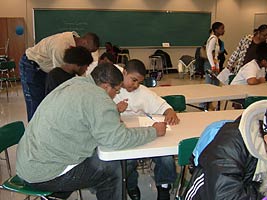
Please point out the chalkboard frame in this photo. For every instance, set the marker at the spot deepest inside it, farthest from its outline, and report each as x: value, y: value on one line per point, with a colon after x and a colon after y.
x: 195, y: 40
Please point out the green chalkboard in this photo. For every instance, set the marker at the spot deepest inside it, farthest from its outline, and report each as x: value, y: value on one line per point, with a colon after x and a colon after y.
x: 127, y: 28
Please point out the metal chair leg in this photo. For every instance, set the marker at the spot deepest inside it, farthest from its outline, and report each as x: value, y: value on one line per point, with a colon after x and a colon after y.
x: 179, y: 189
x: 8, y: 163
x: 80, y: 194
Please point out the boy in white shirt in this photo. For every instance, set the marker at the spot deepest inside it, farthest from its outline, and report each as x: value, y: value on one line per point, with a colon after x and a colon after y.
x: 136, y: 99
x: 253, y: 73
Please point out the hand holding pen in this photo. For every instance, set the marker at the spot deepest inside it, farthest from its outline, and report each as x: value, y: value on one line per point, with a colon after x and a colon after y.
x: 159, y: 126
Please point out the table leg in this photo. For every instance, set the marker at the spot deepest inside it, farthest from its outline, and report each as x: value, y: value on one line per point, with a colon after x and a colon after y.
x: 124, y: 176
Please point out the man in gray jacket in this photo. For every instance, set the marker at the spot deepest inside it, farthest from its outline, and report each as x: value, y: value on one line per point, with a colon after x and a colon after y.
x: 58, y: 150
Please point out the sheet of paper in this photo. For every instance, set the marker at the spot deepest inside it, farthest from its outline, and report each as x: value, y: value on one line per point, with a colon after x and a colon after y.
x: 146, y: 121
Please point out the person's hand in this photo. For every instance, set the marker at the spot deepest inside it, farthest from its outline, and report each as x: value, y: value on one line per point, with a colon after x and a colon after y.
x: 262, y: 80
x: 160, y: 127
x: 171, y: 117
x: 213, y: 69
x: 122, y: 105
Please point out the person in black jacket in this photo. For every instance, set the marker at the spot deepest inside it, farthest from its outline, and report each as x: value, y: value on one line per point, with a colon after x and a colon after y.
x: 234, y: 164
x: 77, y: 60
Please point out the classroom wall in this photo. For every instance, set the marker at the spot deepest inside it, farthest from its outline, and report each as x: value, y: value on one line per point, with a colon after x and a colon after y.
x: 237, y: 15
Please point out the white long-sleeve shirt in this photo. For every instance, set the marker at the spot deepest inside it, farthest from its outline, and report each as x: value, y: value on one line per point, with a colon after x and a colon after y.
x: 212, y: 45
x: 142, y: 100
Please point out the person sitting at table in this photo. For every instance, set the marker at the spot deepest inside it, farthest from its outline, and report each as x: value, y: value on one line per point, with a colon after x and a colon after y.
x: 57, y: 153
x: 76, y: 59
x: 253, y: 73
x: 136, y: 99
x: 234, y: 164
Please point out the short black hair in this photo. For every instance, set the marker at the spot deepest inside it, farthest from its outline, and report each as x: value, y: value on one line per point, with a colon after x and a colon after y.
x: 107, y: 73
x: 261, y: 28
x: 262, y: 51
x: 108, y: 56
x: 94, y: 38
x: 78, y: 55
x: 216, y: 25
x: 136, y: 65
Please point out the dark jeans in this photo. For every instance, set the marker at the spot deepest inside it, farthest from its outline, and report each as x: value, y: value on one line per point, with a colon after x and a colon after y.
x: 164, y: 171
x: 104, y: 178
x: 33, y: 84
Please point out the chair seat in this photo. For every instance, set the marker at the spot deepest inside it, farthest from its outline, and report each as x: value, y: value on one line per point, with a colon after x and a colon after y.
x: 15, y: 184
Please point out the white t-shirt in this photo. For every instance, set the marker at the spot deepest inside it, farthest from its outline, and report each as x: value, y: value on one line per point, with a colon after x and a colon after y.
x: 248, y: 71
x: 142, y: 100
x: 49, y: 52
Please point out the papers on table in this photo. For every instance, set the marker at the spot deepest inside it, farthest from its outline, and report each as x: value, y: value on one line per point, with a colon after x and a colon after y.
x: 145, y: 121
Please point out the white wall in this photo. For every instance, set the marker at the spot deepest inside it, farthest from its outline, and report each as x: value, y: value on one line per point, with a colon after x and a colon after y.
x: 237, y: 15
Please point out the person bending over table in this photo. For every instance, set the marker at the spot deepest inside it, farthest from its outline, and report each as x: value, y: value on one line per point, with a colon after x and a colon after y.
x: 77, y: 60
x: 136, y: 99
x: 42, y: 58
x: 57, y: 153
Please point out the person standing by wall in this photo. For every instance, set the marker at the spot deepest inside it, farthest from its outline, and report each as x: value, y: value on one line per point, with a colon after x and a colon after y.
x: 42, y: 58
x: 213, y: 49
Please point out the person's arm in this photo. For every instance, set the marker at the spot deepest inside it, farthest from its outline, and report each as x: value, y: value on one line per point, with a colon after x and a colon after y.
x: 154, y: 104
x: 171, y: 117
x: 109, y: 132
x: 255, y: 81
x: 210, y: 47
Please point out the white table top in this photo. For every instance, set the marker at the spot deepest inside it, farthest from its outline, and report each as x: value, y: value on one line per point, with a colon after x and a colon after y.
x: 250, y: 90
x: 191, y: 125
x: 199, y: 93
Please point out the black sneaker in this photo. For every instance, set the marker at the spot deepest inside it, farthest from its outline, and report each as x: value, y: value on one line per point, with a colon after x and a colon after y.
x: 134, y: 193
x: 163, y: 193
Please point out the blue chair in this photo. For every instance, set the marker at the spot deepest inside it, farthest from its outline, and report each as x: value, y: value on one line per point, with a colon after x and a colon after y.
x: 150, y: 82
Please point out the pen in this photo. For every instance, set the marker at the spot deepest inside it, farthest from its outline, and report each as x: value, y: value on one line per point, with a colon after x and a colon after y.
x: 149, y: 116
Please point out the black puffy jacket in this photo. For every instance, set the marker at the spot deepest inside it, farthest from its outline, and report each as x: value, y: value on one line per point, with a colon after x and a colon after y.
x: 225, y: 170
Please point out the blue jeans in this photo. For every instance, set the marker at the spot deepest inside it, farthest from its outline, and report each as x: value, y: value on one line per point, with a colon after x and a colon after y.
x: 164, y: 171
x: 208, y: 79
x: 105, y: 178
x: 33, y: 84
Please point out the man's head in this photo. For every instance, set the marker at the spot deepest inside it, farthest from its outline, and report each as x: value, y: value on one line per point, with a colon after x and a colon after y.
x: 90, y: 41
x: 262, y: 54
x: 77, y: 59
x: 108, y: 77
x: 261, y: 33
x: 133, y: 74
x: 106, y: 58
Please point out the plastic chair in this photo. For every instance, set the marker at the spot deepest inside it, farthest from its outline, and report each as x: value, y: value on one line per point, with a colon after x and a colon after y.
x: 187, y: 64
x: 150, y: 82
x: 185, y: 150
x: 252, y: 99
x: 156, y: 63
x: 7, y: 75
x: 10, y: 135
x: 177, y: 102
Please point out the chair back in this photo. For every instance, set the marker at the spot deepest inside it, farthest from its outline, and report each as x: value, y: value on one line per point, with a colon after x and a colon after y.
x: 185, y: 150
x: 177, y: 102
x: 150, y: 82
x: 11, y: 65
x: 231, y: 78
x: 10, y: 134
x: 253, y: 99
x: 4, y: 66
